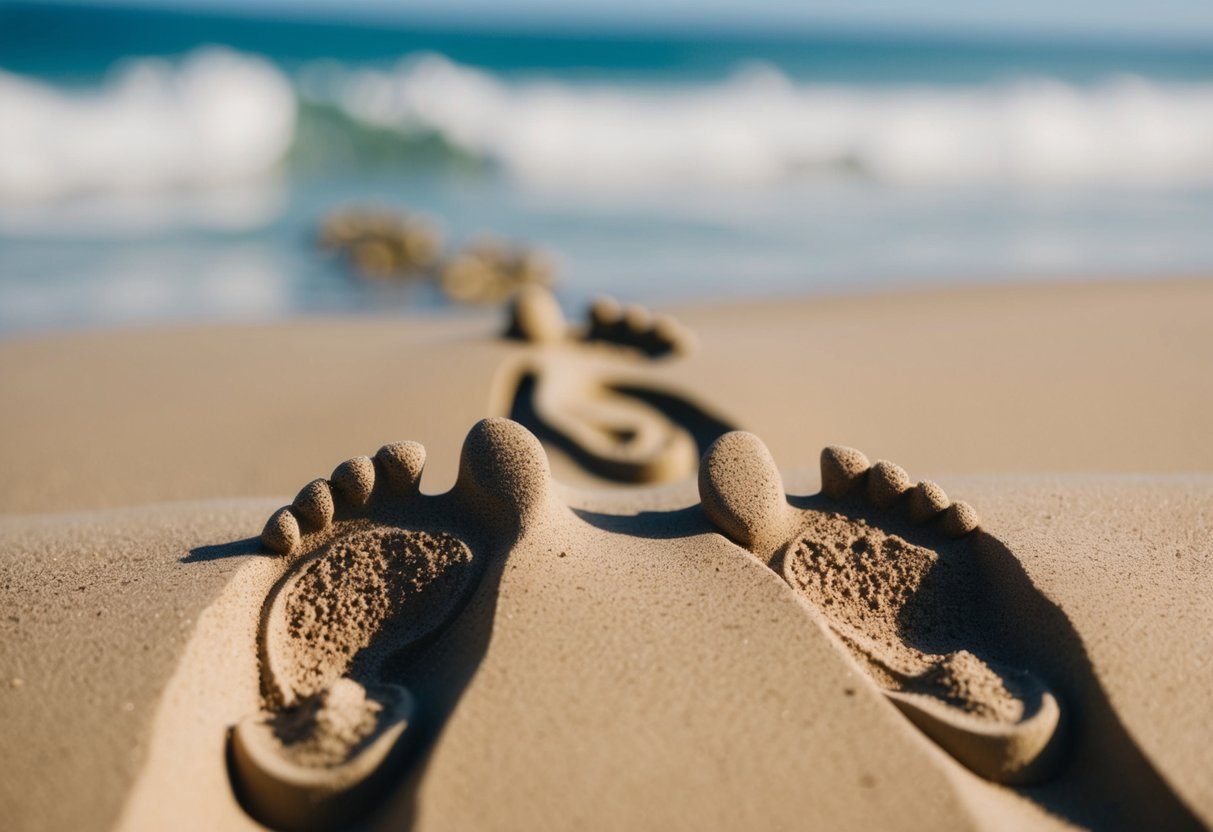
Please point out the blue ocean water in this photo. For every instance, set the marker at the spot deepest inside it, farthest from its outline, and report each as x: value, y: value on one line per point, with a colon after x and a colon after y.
x: 158, y: 167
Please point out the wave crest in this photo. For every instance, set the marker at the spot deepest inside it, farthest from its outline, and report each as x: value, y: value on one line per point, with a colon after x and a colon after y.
x: 758, y: 127
x: 220, y: 118
x: 216, y: 118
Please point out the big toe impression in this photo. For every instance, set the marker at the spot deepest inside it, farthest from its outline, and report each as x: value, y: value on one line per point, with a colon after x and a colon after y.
x: 503, y: 473
x: 742, y: 493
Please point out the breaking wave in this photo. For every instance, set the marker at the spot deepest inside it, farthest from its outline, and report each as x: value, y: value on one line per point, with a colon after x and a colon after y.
x: 216, y: 118
x: 219, y: 118
x: 759, y: 127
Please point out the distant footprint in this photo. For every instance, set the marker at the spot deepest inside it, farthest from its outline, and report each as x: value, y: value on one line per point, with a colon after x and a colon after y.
x: 377, y: 569
x: 909, y: 615
x: 586, y: 391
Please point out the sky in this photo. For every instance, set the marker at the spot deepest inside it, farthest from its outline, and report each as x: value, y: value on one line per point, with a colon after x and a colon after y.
x: 1184, y: 19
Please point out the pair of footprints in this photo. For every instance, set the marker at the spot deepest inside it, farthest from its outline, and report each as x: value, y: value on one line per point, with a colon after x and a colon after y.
x: 378, y: 569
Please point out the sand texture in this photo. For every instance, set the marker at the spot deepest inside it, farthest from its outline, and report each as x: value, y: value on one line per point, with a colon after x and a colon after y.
x: 603, y: 651
x: 629, y: 598
x: 1100, y: 377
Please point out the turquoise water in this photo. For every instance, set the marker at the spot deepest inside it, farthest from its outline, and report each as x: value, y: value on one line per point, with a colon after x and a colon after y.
x: 163, y: 167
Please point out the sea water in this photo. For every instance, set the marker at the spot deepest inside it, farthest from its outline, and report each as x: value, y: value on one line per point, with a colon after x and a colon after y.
x: 158, y: 167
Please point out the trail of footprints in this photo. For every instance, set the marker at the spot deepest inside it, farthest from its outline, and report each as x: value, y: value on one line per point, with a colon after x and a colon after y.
x: 377, y: 568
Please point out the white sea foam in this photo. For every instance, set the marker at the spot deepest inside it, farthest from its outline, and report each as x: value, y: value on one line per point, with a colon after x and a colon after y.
x: 217, y: 118
x: 759, y: 127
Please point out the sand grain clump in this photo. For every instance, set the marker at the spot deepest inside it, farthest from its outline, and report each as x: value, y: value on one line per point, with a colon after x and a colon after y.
x: 327, y: 729
x: 966, y: 682
x: 362, y: 584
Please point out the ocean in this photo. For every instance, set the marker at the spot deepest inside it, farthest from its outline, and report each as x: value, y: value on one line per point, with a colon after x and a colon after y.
x: 159, y: 167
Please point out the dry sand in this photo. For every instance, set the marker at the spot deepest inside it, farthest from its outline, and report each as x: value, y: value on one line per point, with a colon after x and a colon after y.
x: 1100, y: 377
x: 520, y: 654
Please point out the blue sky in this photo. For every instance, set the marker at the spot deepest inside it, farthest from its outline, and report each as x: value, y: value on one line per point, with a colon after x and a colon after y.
x: 1155, y: 18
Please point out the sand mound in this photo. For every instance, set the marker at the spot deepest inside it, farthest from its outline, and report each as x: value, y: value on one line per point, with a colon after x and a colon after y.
x: 327, y: 728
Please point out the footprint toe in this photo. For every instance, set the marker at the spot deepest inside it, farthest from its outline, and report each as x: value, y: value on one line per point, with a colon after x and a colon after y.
x: 927, y: 501
x: 536, y: 316
x: 314, y: 504
x: 673, y: 336
x: 959, y: 519
x: 886, y: 484
x: 638, y: 320
x: 605, y: 312
x: 354, y: 480
x: 402, y: 464
x: 503, y: 468
x: 742, y: 492
x: 841, y: 470
x: 281, y: 532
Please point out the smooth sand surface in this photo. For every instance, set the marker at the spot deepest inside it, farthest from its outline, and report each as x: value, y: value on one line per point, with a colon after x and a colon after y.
x: 99, y: 612
x: 1083, y: 377
x: 528, y: 652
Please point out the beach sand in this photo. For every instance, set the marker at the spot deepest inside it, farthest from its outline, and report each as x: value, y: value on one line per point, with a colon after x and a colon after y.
x: 1099, y: 377
x: 564, y: 651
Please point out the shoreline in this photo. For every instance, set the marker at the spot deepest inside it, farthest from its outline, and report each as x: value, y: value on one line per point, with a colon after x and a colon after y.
x: 457, y: 315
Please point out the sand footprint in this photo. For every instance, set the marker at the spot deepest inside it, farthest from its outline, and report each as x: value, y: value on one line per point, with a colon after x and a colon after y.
x: 586, y: 391
x: 909, y: 614
x: 377, y: 569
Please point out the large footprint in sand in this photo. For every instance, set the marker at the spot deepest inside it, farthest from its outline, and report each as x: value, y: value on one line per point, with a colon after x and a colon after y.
x: 586, y: 391
x: 908, y: 613
x: 377, y: 569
